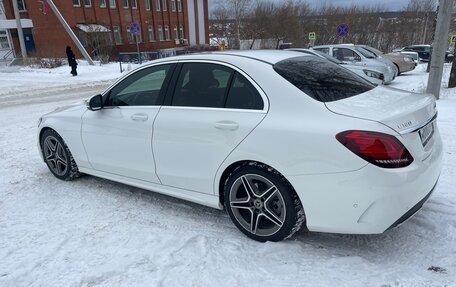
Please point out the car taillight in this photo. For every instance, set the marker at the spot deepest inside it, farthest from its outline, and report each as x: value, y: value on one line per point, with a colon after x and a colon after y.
x: 380, y: 149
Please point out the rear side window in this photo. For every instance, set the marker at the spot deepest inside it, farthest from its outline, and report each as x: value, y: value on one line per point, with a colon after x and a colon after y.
x: 320, y: 79
x: 243, y: 95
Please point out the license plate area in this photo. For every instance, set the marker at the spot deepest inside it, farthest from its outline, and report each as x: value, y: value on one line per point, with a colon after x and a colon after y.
x: 426, y: 133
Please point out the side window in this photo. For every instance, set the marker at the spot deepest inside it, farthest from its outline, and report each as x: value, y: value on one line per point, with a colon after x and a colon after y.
x: 143, y: 88
x: 323, y: 50
x: 202, y: 85
x: 343, y: 54
x: 243, y: 95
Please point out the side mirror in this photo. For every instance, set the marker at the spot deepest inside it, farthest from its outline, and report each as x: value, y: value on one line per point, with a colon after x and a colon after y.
x: 95, y: 103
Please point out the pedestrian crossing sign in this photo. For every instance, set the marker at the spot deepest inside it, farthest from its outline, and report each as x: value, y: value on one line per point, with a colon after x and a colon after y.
x: 312, y: 36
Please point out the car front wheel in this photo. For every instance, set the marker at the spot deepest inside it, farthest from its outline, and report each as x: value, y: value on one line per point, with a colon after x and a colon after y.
x: 58, y: 157
x: 262, y: 203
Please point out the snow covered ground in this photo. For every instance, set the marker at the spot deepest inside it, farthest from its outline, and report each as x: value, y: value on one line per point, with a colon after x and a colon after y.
x: 93, y: 232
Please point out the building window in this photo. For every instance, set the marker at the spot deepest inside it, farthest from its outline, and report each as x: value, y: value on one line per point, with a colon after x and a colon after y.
x: 138, y: 37
x: 150, y: 28
x: 117, y: 36
x: 134, y: 5
x: 167, y: 37
x: 87, y: 3
x: 147, y: 5
x: 164, y: 6
x: 102, y: 3
x: 173, y: 5
x: 160, y: 33
x: 76, y: 3
x: 175, y: 34
x: 181, y: 31
x: 4, y: 44
x: 112, y: 3
x: 179, y: 5
x: 125, y: 3
x: 129, y: 35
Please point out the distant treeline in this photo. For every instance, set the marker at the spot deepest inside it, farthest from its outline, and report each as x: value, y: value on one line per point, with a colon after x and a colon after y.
x: 291, y: 21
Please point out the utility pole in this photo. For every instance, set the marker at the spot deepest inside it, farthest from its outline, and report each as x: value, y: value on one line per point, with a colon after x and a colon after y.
x: 69, y: 31
x: 439, y: 47
x: 20, y: 33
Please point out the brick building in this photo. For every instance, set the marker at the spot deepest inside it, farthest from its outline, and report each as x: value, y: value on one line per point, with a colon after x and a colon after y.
x: 106, y: 25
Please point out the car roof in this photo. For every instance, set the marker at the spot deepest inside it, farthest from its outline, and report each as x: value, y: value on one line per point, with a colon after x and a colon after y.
x: 265, y: 56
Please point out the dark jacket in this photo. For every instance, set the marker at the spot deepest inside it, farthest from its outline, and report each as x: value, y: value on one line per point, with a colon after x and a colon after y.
x: 71, y: 58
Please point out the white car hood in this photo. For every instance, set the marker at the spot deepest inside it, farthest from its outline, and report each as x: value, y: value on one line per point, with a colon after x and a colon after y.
x: 398, y: 109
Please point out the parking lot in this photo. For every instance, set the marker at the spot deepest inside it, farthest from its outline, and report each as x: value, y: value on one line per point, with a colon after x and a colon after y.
x: 94, y: 232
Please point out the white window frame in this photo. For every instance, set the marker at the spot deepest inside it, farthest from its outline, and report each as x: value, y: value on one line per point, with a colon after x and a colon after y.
x: 125, y: 2
x: 116, y: 30
x: 112, y: 4
x: 181, y: 31
x: 74, y: 5
x: 158, y: 4
x: 136, y: 4
x: 167, y: 35
x: 89, y: 3
x: 164, y: 5
x: 179, y: 5
x: 150, y: 30
x: 175, y: 33
x: 5, y: 40
x: 173, y: 5
x: 130, y: 36
x: 160, y: 33
x: 147, y: 4
x: 102, y: 3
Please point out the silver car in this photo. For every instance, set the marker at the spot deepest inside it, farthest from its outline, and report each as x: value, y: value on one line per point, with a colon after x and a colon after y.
x: 370, y: 74
x: 361, y: 57
x: 402, y: 62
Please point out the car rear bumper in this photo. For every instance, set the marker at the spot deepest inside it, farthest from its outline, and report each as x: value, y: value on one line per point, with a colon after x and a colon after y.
x: 369, y: 200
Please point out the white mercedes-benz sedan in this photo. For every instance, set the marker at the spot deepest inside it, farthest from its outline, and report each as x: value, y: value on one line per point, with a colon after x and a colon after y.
x: 277, y: 138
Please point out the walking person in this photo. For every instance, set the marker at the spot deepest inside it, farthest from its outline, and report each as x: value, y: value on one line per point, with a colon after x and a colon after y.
x: 71, y: 61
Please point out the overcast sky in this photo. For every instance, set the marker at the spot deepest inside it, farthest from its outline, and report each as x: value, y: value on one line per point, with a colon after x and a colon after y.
x: 391, y: 5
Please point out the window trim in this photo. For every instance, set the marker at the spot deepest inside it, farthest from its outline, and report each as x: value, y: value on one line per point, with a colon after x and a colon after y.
x: 158, y: 5
x: 103, y: 6
x: 173, y: 64
x: 173, y: 5
x: 170, y: 93
x: 179, y: 6
x: 147, y: 4
x: 136, y: 4
x: 125, y: 2
x: 167, y: 35
x: 119, y: 30
x: 113, y: 2
x: 87, y: 5
x: 164, y: 5
x: 150, y: 28
x: 74, y: 5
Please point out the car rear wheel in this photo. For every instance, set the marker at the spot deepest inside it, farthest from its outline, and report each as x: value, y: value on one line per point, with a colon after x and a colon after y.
x: 58, y: 157
x: 262, y: 203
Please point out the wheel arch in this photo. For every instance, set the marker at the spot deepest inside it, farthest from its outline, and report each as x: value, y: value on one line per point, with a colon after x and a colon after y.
x: 230, y: 168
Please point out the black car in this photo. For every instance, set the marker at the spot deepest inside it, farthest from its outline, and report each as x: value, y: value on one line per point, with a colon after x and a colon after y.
x: 424, y: 52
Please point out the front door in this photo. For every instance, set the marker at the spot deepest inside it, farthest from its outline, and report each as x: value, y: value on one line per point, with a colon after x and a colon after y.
x: 118, y: 138
x: 213, y: 108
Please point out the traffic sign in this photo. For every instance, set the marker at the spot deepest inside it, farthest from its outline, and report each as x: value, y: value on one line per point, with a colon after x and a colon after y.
x: 342, y: 30
x: 135, y: 28
x: 452, y: 39
x: 312, y: 36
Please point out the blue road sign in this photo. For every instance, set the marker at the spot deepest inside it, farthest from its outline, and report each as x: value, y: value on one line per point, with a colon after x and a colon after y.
x: 135, y: 28
x: 342, y: 30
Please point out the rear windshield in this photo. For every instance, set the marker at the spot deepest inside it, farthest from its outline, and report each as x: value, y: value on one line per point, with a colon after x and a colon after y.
x: 322, y: 80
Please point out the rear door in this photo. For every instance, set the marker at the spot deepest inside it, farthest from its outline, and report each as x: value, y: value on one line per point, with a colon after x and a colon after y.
x: 212, y: 108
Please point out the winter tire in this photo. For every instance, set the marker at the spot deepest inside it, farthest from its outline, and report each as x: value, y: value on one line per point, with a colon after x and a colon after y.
x: 262, y: 203
x: 58, y: 157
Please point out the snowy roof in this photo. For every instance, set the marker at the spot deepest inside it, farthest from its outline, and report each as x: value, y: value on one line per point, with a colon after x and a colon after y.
x: 92, y: 28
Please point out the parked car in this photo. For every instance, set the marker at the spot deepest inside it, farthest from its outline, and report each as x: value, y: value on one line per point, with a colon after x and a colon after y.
x: 361, y: 57
x: 279, y: 139
x: 374, y: 76
x: 424, y: 52
x: 413, y: 55
x: 402, y: 62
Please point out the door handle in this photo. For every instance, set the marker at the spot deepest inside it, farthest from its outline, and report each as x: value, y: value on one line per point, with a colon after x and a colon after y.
x: 139, y: 117
x: 226, y: 125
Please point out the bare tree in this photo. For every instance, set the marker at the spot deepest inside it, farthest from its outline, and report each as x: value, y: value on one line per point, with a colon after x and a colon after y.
x: 237, y: 9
